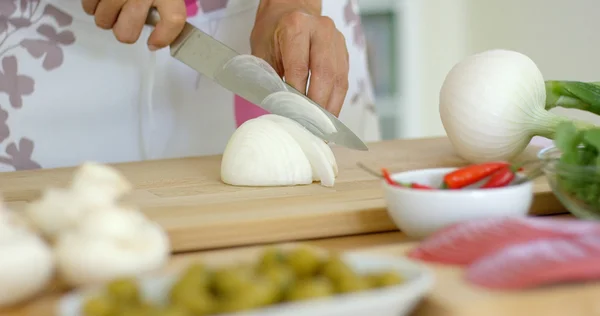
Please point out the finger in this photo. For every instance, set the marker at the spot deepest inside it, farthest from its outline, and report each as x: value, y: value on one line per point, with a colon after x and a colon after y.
x: 172, y: 19
x: 107, y: 12
x: 293, y: 41
x: 89, y: 6
x: 131, y: 20
x: 269, y: 55
x: 323, y: 65
x: 340, y: 81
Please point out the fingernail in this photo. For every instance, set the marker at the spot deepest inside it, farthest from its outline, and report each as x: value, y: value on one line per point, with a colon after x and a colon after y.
x: 152, y: 47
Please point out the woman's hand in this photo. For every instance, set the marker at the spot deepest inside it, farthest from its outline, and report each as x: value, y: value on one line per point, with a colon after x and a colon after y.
x: 127, y: 17
x: 294, y: 38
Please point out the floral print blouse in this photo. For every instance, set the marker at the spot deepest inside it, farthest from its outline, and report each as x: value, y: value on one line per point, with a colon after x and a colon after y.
x: 69, y: 92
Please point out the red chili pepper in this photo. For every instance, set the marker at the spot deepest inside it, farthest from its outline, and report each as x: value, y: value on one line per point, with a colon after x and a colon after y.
x: 501, y: 178
x: 468, y: 175
x: 390, y: 181
x: 420, y: 186
x: 387, y: 177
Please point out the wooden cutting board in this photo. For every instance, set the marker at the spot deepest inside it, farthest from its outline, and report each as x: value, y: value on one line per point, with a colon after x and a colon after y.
x: 187, y: 198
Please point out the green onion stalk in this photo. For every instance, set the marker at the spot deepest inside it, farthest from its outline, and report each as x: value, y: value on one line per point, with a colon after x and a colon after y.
x: 583, y: 96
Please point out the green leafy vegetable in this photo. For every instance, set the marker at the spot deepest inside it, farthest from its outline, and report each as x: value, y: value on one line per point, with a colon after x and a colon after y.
x: 567, y: 137
x: 592, y: 137
x: 578, y: 169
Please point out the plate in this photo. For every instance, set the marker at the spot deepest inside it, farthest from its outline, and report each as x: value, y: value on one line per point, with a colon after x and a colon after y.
x: 391, y: 301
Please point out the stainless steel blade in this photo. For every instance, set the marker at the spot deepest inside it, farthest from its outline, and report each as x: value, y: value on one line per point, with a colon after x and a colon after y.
x: 208, y: 56
x: 344, y: 136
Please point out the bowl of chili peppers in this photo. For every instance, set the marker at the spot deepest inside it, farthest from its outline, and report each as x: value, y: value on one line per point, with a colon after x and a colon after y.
x: 421, y: 202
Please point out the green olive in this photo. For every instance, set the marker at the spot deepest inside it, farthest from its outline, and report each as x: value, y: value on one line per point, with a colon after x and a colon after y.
x: 304, y: 262
x: 173, y: 310
x: 181, y: 287
x: 124, y: 292
x: 300, y: 274
x: 196, y: 278
x: 270, y: 257
x: 196, y: 301
x: 372, y: 280
x: 244, y: 302
x: 385, y: 279
x: 280, y: 275
x: 309, y: 289
x: 197, y: 274
x: 142, y: 310
x: 99, y: 306
x: 335, y: 269
x: 231, y: 281
x: 352, y: 283
x: 266, y: 291
x: 261, y: 292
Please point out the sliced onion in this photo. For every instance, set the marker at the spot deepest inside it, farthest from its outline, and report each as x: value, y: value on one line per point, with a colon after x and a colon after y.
x: 294, y: 106
x: 252, y: 75
x: 318, y: 153
x: 262, y: 153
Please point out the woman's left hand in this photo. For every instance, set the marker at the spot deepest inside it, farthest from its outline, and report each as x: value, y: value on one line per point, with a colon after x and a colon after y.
x: 294, y: 38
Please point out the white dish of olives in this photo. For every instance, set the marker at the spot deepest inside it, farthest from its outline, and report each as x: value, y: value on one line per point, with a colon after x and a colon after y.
x: 299, y: 281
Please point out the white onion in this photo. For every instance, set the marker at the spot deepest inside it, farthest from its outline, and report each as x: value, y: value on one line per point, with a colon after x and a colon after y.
x: 262, y: 153
x: 493, y: 103
x: 273, y: 150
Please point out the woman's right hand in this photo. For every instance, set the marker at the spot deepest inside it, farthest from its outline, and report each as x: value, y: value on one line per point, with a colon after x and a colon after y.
x: 127, y: 18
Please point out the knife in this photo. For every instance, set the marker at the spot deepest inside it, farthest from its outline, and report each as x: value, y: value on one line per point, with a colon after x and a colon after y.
x: 207, y: 56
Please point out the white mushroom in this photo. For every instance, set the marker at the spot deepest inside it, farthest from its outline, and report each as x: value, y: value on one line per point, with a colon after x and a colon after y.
x: 57, y: 210
x: 26, y: 263
x: 100, y: 182
x: 94, y: 187
x: 108, y: 244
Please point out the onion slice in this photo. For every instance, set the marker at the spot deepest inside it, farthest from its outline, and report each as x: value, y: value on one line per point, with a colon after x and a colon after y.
x: 252, y: 75
x: 294, y: 106
x: 323, y: 165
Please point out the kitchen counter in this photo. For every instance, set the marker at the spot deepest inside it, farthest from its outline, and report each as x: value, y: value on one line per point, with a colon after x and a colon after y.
x: 451, y: 296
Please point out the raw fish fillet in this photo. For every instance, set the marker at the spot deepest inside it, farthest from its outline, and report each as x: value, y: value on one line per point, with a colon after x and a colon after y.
x: 463, y: 243
x: 539, y: 262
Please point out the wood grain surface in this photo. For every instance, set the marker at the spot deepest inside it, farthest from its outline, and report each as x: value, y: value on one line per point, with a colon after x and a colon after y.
x: 198, y: 211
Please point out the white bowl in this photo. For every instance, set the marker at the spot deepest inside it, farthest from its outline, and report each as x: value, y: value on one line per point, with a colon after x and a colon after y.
x: 396, y: 300
x: 418, y: 213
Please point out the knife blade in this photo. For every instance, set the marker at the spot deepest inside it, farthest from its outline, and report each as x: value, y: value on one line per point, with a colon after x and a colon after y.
x: 208, y: 56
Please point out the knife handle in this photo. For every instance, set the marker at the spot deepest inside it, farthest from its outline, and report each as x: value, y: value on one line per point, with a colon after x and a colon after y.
x: 153, y: 17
